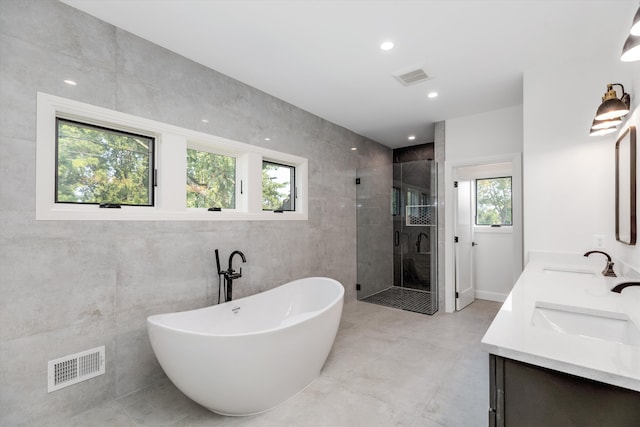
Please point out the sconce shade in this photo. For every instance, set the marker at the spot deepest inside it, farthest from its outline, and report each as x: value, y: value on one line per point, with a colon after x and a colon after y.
x: 631, y: 48
x: 604, y: 124
x: 600, y: 132
x: 635, y: 27
x: 611, y: 109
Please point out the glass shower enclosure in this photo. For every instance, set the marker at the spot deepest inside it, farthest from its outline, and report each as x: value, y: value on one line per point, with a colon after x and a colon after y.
x: 397, y: 235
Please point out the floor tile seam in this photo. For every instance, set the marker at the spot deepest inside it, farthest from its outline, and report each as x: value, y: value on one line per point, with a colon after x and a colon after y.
x: 444, y: 348
x: 155, y: 408
x: 436, y: 422
x: 396, y: 409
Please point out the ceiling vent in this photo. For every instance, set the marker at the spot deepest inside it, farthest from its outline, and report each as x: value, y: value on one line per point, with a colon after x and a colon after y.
x: 411, y: 77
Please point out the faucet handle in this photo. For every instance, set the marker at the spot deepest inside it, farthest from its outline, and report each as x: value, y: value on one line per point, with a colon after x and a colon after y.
x: 608, y: 270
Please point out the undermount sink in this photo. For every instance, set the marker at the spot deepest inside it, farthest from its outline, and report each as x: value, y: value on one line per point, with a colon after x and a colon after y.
x: 568, y: 271
x: 602, y: 325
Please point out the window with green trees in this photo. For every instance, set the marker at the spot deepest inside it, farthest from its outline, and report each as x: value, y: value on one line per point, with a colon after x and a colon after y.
x: 97, y: 165
x: 278, y: 187
x: 211, y: 180
x: 493, y: 201
x: 90, y: 157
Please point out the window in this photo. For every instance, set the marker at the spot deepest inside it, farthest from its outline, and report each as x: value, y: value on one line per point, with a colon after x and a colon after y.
x: 96, y: 165
x: 493, y: 201
x: 278, y: 187
x: 89, y: 157
x: 211, y: 180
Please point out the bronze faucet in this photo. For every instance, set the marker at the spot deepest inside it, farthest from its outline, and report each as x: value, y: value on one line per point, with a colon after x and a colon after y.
x: 620, y: 286
x: 608, y: 270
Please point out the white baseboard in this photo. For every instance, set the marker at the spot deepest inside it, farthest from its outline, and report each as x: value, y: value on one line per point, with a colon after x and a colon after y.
x: 491, y: 296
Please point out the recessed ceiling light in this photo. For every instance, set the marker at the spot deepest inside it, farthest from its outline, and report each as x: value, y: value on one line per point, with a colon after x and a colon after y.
x: 354, y: 149
x: 205, y: 121
x: 412, y: 137
x: 432, y: 95
x: 386, y: 46
x: 70, y: 82
x: 267, y: 139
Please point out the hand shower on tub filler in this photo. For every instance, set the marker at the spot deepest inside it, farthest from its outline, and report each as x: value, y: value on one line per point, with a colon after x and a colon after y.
x: 229, y: 275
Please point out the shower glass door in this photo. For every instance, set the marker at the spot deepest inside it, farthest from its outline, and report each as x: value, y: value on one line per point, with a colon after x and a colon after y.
x: 412, y: 210
x: 415, y: 231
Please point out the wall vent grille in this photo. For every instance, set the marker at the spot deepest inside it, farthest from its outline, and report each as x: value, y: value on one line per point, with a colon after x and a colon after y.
x: 75, y: 368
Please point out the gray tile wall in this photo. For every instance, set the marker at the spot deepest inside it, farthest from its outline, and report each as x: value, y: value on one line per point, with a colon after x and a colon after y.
x: 439, y: 150
x: 70, y: 286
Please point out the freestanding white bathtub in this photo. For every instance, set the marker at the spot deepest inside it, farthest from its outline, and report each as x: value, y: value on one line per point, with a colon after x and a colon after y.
x: 247, y: 356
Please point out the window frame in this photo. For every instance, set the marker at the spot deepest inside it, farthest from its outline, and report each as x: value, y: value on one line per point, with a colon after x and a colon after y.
x: 152, y: 140
x: 292, y: 186
x: 237, y: 183
x: 475, y: 196
x: 170, y: 160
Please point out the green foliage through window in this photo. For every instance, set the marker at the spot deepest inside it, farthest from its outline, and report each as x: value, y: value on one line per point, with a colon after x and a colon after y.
x: 277, y: 184
x: 211, y: 180
x: 493, y: 201
x: 98, y: 165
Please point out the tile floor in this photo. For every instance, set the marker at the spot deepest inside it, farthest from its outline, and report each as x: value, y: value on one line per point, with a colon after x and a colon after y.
x: 387, y: 368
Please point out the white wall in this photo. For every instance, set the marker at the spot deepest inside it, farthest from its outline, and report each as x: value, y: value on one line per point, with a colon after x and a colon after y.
x: 491, y: 137
x: 569, y: 176
x: 493, y: 133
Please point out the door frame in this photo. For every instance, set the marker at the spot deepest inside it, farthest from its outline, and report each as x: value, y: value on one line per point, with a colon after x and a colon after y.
x: 449, y: 219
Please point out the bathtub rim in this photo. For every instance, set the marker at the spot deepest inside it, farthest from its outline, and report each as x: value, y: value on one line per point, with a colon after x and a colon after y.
x: 339, y: 299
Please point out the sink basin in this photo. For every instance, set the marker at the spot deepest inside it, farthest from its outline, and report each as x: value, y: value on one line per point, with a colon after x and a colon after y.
x: 602, y: 325
x: 568, y: 271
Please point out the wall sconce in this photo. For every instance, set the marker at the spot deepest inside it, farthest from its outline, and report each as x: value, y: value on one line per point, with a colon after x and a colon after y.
x: 604, y: 127
x: 611, y: 111
x: 631, y: 48
x: 611, y: 106
x: 604, y: 124
x: 604, y: 131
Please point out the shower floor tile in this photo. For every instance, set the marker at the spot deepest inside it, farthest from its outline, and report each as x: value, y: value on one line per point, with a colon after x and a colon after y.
x: 403, y: 298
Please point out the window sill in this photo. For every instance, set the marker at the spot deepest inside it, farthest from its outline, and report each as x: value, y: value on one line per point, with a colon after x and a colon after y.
x: 155, y: 214
x: 485, y: 229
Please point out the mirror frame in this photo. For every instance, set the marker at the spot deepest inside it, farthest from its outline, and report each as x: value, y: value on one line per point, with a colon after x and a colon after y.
x: 629, y: 133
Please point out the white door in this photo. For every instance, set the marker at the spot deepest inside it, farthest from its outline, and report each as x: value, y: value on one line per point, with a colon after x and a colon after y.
x: 464, y: 275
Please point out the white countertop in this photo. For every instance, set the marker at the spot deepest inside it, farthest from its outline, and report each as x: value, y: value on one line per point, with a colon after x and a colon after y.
x: 548, y: 280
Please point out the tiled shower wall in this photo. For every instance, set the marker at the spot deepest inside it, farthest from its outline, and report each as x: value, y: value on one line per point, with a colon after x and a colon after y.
x: 70, y: 286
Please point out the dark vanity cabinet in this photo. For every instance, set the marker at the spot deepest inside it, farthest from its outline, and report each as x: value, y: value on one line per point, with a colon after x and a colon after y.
x: 524, y: 395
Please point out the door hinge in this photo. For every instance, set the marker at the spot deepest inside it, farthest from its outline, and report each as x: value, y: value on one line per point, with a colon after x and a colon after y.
x: 455, y: 239
x: 357, y: 181
x: 357, y: 286
x: 455, y: 184
x: 457, y: 295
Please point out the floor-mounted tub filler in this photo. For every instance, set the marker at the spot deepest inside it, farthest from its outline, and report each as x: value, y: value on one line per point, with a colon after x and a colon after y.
x: 246, y: 356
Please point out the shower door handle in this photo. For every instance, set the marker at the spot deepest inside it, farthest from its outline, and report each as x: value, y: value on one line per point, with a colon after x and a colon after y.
x: 397, y: 239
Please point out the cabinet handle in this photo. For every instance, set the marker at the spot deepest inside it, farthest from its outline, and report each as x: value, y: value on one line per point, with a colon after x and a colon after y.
x: 397, y: 238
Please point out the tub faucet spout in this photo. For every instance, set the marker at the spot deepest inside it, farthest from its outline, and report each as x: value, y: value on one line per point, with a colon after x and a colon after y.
x: 244, y: 259
x: 608, y: 269
x: 230, y: 275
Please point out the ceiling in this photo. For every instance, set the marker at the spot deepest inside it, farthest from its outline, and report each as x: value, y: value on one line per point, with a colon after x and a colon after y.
x: 325, y: 56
